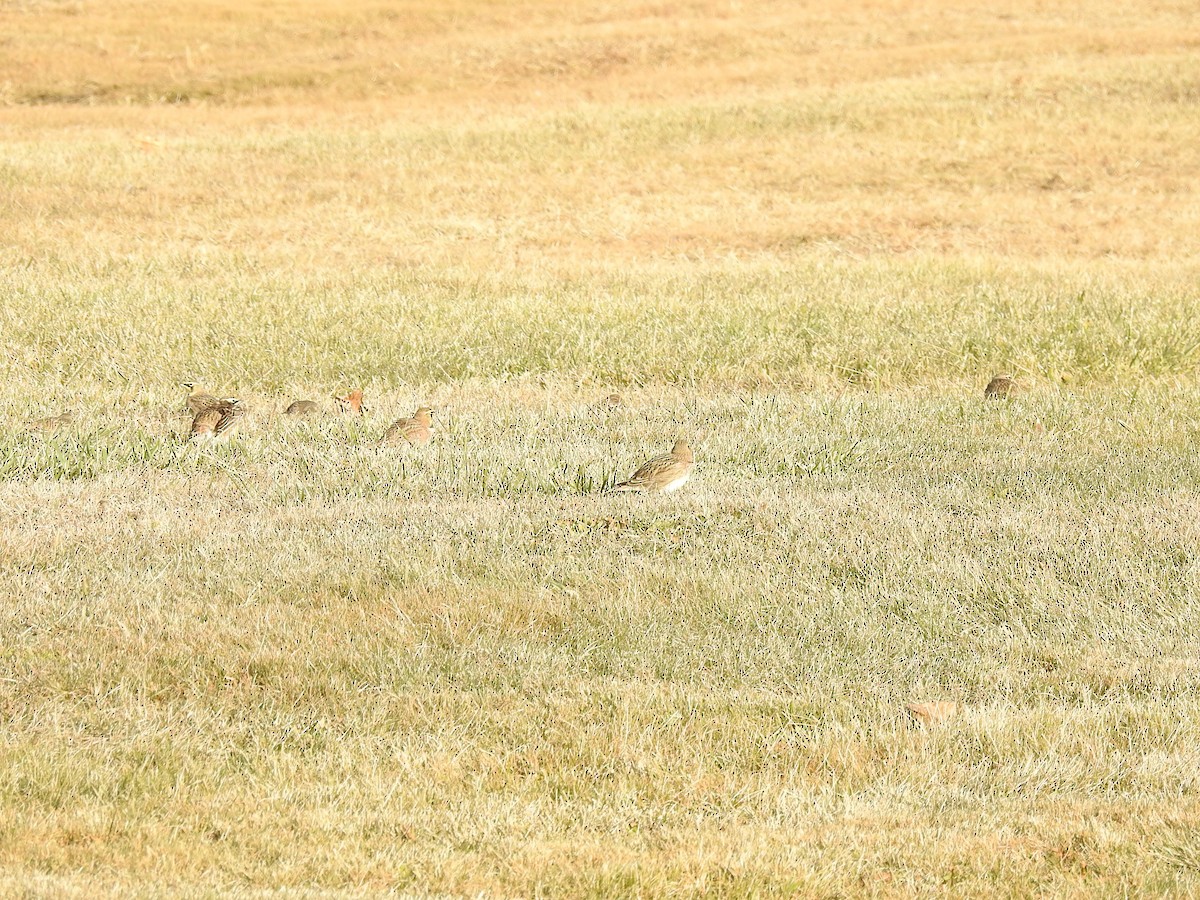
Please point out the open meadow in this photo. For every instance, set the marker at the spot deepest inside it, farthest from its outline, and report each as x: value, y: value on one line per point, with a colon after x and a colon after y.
x: 801, y: 236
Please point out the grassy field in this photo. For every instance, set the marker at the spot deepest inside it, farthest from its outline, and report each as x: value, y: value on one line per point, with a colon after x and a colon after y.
x: 802, y: 239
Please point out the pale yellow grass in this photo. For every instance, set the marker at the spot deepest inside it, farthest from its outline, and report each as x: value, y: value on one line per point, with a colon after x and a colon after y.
x: 498, y: 135
x: 299, y: 662
x: 802, y: 237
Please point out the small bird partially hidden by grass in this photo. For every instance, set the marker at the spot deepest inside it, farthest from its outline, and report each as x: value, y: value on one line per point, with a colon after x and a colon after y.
x: 351, y: 403
x: 199, y: 401
x: 415, y: 430
x: 1000, y: 388
x: 662, y: 473
x: 932, y: 713
x: 50, y: 423
x: 303, y: 408
x: 217, y: 423
x: 612, y: 401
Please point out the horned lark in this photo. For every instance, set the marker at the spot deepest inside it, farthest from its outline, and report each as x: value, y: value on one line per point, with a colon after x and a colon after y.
x: 663, y: 473
x: 50, y: 423
x: 198, y: 401
x: 351, y: 403
x: 1000, y: 388
x: 415, y: 431
x: 217, y: 423
x: 303, y: 408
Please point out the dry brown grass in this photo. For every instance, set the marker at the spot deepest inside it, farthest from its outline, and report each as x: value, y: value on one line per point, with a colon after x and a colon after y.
x: 804, y: 238
x: 559, y: 134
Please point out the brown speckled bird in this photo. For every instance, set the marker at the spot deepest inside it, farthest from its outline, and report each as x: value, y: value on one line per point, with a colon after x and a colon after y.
x: 415, y: 430
x: 932, y: 713
x: 351, y: 403
x: 663, y: 473
x: 217, y: 423
x: 303, y: 408
x: 198, y: 401
x: 1000, y: 388
x: 50, y: 423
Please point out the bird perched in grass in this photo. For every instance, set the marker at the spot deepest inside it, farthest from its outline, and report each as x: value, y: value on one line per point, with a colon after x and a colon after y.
x: 662, y: 473
x: 198, y: 401
x: 303, y: 408
x: 217, y: 423
x: 1000, y: 388
x: 932, y: 713
x: 50, y: 423
x: 415, y: 430
x: 351, y: 403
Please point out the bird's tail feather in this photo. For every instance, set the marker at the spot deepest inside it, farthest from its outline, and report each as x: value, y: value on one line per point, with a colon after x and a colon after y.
x: 625, y: 486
